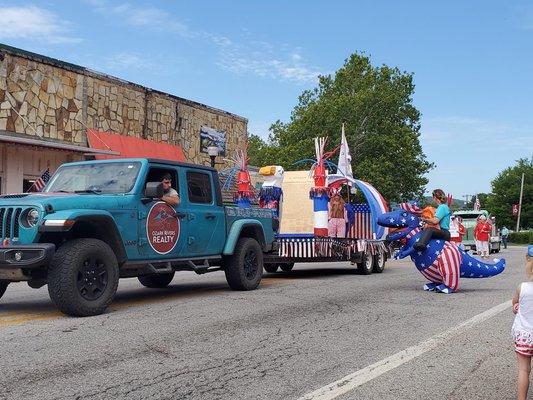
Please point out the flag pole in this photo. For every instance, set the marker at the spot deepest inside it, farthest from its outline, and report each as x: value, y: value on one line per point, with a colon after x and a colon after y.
x: 520, y: 204
x: 347, y: 185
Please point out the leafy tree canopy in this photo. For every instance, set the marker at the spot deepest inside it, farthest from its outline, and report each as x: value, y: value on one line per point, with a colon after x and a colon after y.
x: 382, y: 128
x: 506, y: 192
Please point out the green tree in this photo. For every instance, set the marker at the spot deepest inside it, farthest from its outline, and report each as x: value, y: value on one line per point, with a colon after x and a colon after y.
x: 259, y: 152
x: 382, y: 127
x: 506, y: 192
x: 483, y: 201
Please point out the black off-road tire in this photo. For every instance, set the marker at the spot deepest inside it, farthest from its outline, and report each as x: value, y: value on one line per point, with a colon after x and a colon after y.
x: 156, y: 281
x: 3, y: 287
x: 83, y: 277
x: 379, y: 262
x: 366, y: 265
x: 286, y: 267
x: 271, y: 268
x: 244, y: 268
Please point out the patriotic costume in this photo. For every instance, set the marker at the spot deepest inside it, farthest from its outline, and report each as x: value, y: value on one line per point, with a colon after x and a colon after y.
x: 271, y: 194
x: 522, y: 330
x: 442, y: 262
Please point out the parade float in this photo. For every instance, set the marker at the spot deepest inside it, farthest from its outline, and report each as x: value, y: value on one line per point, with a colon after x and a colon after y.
x: 361, y: 242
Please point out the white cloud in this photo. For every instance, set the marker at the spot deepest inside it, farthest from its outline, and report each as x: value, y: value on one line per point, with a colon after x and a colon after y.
x: 142, y: 17
x: 34, y: 23
x: 246, y: 57
x: 262, y: 59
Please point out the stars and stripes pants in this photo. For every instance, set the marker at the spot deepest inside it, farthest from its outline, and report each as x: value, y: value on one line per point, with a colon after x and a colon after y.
x: 446, y: 267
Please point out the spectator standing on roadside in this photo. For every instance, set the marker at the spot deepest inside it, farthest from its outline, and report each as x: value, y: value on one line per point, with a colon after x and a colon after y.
x: 505, y: 235
x: 522, y: 330
x: 481, y: 234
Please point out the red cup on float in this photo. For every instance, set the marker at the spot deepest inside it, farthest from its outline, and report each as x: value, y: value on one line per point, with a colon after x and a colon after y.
x: 319, y: 175
x: 243, y: 181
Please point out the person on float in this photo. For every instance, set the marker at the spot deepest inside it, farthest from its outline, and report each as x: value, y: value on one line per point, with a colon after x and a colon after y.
x: 337, y: 215
x: 522, y: 329
x: 442, y: 219
x: 482, y: 235
x: 170, y: 195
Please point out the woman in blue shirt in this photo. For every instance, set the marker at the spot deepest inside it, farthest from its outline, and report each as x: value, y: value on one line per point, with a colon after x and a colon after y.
x: 442, y: 218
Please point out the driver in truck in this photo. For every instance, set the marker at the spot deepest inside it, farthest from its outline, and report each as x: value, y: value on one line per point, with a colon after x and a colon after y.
x: 170, y: 195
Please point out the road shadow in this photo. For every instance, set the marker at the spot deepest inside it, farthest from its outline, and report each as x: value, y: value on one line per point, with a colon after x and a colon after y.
x: 129, y: 296
x: 313, y: 273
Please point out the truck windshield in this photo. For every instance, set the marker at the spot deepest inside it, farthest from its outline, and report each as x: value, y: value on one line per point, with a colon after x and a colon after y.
x: 116, y: 177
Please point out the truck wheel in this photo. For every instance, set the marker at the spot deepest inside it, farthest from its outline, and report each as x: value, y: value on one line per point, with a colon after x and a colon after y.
x: 286, y: 267
x: 244, y: 268
x: 366, y: 265
x: 3, y: 287
x: 156, y: 281
x: 271, y: 268
x: 83, y: 277
x: 379, y: 262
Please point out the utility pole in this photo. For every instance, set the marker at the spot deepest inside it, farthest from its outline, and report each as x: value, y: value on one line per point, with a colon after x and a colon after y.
x: 520, y: 204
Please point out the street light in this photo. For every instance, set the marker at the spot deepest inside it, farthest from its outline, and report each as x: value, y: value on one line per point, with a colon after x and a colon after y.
x: 212, y: 151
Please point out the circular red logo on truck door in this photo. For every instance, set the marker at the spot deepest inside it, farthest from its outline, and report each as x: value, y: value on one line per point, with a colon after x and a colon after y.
x: 162, y: 228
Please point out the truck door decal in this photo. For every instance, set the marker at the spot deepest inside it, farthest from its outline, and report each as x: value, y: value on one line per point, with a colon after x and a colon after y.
x: 162, y: 228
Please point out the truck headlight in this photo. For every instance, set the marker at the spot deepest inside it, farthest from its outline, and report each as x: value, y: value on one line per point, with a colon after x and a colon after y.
x: 31, y: 218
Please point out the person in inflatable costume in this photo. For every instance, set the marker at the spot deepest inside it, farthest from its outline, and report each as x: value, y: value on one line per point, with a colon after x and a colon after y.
x: 441, y: 262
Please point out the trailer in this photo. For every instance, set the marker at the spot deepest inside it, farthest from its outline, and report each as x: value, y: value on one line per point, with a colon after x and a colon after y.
x: 369, y: 255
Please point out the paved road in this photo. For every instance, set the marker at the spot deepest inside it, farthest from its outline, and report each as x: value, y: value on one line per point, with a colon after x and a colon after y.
x: 298, y: 332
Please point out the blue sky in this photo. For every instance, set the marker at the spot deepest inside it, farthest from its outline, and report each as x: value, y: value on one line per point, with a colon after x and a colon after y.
x: 472, y: 61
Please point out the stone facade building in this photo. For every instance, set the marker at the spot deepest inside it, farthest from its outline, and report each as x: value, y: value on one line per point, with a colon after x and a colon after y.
x: 47, y: 105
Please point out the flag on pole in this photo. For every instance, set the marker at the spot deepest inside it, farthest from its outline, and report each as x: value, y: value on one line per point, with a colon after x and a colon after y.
x: 344, y: 167
x: 477, y: 204
x: 40, y: 183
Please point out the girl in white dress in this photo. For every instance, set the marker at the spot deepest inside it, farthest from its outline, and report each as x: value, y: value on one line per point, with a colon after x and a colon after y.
x: 522, y: 329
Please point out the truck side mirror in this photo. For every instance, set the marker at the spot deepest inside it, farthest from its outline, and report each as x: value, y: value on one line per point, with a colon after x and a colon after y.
x: 154, y: 190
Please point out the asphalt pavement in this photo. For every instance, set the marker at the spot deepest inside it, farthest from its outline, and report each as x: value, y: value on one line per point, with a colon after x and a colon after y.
x: 298, y: 332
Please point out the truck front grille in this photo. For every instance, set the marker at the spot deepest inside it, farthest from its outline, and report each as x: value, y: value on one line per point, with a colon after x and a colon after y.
x: 9, y: 218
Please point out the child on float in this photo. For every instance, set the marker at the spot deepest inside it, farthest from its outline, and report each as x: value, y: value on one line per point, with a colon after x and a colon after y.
x: 442, y: 218
x: 522, y: 329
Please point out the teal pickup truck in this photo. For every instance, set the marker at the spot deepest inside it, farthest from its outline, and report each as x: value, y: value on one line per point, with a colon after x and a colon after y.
x: 98, y: 221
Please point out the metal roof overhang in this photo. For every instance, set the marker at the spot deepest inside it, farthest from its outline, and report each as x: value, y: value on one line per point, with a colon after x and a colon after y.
x: 5, y: 137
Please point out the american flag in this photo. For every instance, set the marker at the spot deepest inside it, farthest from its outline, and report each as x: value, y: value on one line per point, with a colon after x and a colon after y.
x: 42, y: 181
x: 477, y: 204
x: 361, y: 227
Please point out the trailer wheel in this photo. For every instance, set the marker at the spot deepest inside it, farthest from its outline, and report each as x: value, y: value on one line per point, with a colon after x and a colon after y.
x: 271, y: 268
x: 244, y: 268
x: 3, y: 287
x: 156, y: 281
x: 379, y: 262
x: 83, y: 277
x: 366, y: 266
x: 286, y: 267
